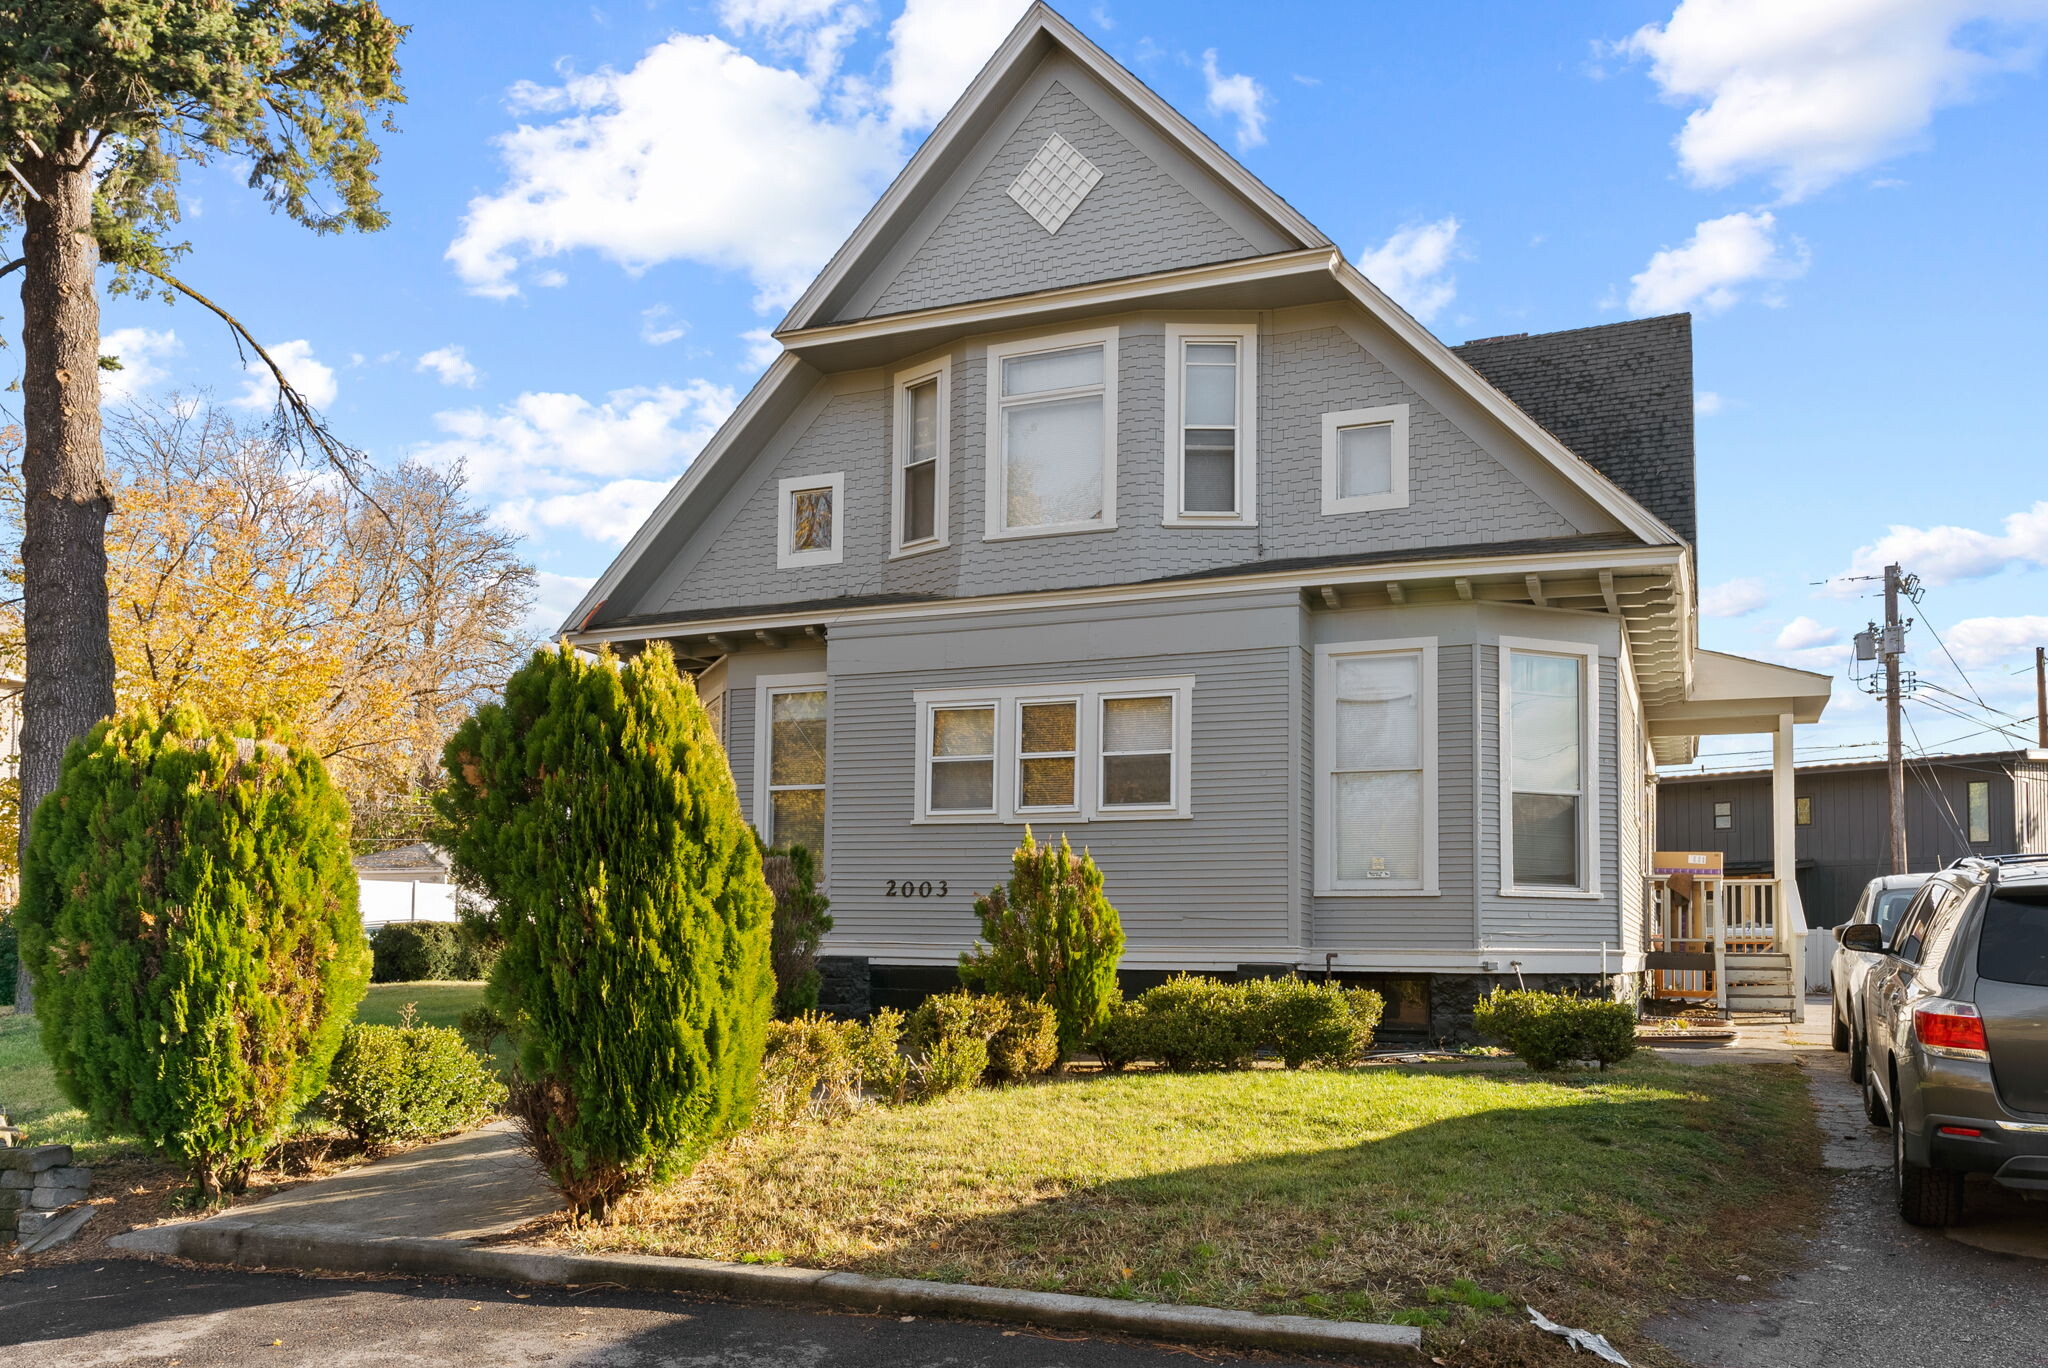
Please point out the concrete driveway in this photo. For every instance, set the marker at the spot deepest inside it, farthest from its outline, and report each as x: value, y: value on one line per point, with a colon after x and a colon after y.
x: 1876, y: 1291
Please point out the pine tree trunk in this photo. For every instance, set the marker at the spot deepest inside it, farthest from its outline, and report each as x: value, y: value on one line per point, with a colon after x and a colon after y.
x: 70, y: 662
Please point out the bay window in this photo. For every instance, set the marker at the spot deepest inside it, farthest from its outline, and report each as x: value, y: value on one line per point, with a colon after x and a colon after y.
x: 1211, y: 402
x: 1052, y: 435
x: 1376, y: 767
x: 1547, y: 769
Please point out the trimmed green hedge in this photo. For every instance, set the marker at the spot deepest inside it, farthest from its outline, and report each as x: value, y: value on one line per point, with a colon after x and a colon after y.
x: 1550, y: 1030
x: 1191, y: 1023
x: 390, y: 1083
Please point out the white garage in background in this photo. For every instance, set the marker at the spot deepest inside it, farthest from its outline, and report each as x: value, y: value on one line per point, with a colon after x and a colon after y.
x: 407, y: 884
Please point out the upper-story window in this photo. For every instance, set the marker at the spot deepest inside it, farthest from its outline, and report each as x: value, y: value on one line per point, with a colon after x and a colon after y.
x: 1365, y: 459
x: 810, y: 528
x: 1547, y: 769
x: 1211, y: 402
x: 923, y: 459
x: 1052, y: 435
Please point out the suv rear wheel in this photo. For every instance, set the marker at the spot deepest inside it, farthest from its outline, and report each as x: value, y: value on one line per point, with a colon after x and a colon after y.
x: 1927, y: 1196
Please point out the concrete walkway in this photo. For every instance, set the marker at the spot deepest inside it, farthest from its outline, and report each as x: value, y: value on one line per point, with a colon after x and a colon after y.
x: 462, y: 1188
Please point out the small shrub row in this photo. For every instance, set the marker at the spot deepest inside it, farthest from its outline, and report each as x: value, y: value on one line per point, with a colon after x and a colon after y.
x: 1550, y: 1030
x: 819, y: 1068
x: 391, y: 1083
x: 1190, y: 1022
x: 419, y: 952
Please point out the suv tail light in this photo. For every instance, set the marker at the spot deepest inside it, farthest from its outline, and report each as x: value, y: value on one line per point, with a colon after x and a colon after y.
x: 1953, y: 1030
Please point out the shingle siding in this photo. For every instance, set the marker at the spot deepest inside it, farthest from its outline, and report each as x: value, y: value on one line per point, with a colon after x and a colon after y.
x: 1137, y: 220
x: 1619, y: 395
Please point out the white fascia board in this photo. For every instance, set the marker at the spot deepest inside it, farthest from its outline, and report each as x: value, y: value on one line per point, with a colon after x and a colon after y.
x: 768, y: 387
x: 1597, y: 487
x: 1541, y: 563
x: 962, y: 123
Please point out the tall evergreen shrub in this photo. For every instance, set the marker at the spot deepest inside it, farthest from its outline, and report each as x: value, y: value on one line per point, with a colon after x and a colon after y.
x: 189, y: 914
x: 594, y: 809
x: 1050, y: 935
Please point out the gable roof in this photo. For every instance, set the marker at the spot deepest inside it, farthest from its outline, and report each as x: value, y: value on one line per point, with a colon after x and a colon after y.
x: 1619, y: 395
x: 1040, y: 33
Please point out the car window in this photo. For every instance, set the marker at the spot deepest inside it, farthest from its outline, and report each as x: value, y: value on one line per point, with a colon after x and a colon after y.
x: 1941, y: 932
x: 2013, y: 946
x: 1890, y: 905
x: 1912, y: 937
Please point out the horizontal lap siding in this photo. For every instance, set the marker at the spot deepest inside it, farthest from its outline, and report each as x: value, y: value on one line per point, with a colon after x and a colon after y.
x: 1443, y: 922
x: 1217, y: 881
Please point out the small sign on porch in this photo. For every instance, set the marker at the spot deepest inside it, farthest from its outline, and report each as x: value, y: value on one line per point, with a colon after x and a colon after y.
x: 1704, y: 864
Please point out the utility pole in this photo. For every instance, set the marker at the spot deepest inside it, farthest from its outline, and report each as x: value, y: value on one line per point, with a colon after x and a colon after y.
x: 1891, y: 646
x: 2041, y: 695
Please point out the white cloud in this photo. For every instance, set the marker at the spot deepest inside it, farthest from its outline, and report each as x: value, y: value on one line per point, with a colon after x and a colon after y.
x: 141, y: 352
x: 561, y: 460
x: 308, y: 375
x: 656, y: 327
x: 1706, y: 403
x: 1735, y: 598
x: 555, y: 597
x: 449, y: 366
x: 1238, y: 97
x: 1985, y: 641
x: 1723, y: 255
x: 1943, y: 555
x: 936, y: 48
x: 699, y: 152
x: 1414, y: 266
x: 1808, y: 93
x: 1803, y: 633
x: 762, y: 348
x: 1821, y: 659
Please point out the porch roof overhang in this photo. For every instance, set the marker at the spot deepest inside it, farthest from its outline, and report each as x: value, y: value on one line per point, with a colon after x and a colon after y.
x: 1733, y: 694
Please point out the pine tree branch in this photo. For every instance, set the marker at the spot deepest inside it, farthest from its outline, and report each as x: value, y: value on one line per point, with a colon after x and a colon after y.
x: 297, y: 420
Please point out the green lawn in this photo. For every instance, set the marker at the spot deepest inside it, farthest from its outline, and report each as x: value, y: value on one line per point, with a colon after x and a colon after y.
x: 28, y: 1089
x: 1440, y: 1198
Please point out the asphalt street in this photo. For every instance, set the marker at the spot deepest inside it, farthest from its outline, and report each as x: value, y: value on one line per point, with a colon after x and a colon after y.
x: 119, y: 1312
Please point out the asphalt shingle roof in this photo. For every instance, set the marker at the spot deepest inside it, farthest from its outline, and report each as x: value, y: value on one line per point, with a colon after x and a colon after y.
x: 1619, y: 395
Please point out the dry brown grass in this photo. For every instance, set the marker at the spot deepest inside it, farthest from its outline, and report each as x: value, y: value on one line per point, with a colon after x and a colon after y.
x: 1447, y: 1198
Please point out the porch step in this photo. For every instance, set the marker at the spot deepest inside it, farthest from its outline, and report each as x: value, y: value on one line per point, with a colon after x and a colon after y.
x: 1759, y: 959
x: 1739, y: 1003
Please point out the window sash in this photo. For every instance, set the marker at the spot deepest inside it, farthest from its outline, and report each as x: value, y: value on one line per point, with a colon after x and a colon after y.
x: 1538, y: 858
x: 1379, y: 747
x: 1136, y: 753
x: 921, y: 445
x: 1208, y: 434
x: 1026, y: 757
x: 1052, y: 414
x: 785, y: 793
x: 959, y: 762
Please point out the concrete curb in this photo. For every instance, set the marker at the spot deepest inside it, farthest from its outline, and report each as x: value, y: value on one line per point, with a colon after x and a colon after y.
x: 337, y: 1249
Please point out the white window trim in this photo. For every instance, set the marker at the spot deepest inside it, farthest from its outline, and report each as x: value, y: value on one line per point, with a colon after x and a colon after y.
x: 942, y: 466
x: 1088, y: 806
x: 1327, y: 883
x: 765, y: 689
x: 785, y: 521
x: 1589, y: 762
x: 1395, y: 415
x: 1246, y: 335
x: 996, y: 497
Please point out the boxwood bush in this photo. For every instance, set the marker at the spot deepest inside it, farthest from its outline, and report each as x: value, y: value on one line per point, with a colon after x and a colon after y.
x: 407, y: 1082
x: 1190, y: 1023
x: 1550, y: 1030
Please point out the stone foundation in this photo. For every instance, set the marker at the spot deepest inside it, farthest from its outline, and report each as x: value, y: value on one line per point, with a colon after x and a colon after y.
x: 1453, y: 996
x: 843, y: 987
x: 38, y: 1187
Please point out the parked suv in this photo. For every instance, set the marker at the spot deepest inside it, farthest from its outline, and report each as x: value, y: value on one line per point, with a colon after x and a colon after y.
x: 1954, y: 1026
x: 1883, y: 900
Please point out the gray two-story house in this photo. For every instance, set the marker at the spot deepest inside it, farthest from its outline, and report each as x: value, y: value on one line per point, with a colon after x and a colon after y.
x: 1096, y: 491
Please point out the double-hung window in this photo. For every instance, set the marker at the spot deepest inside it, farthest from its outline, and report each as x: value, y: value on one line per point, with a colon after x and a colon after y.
x: 922, y: 458
x: 1211, y: 402
x: 1052, y: 435
x: 1103, y: 751
x: 791, y: 730
x: 1547, y: 766
x: 1376, y: 767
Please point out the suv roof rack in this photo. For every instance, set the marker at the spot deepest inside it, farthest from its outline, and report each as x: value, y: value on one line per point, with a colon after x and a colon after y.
x: 1996, y: 861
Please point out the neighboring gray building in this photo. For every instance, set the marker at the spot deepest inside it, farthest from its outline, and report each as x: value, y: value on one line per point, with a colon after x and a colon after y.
x: 1095, y: 490
x: 1991, y: 803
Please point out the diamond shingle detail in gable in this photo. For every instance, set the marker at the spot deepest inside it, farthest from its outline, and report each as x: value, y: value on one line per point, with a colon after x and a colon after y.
x: 1054, y: 182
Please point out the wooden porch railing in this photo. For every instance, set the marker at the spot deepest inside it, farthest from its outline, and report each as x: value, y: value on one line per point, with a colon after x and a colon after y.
x: 1734, y: 916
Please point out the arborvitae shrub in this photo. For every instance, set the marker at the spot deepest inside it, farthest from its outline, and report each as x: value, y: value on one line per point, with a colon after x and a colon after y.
x: 414, y: 952
x: 1026, y: 1044
x: 189, y: 914
x: 391, y: 1083
x: 593, y: 808
x: 1051, y: 935
x: 800, y: 923
x: 1550, y: 1030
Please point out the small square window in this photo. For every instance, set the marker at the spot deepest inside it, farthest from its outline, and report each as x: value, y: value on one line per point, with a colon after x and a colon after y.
x: 1724, y: 816
x: 1365, y: 459
x: 1802, y: 809
x: 810, y: 521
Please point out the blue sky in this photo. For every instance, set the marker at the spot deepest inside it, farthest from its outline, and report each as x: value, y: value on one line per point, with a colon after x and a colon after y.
x: 593, y: 207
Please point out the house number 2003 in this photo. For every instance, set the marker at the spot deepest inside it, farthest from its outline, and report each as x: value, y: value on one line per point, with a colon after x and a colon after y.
x: 916, y: 888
